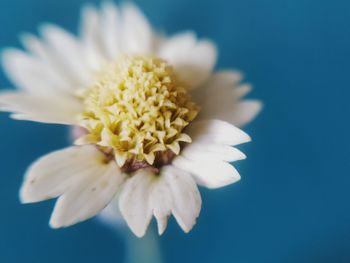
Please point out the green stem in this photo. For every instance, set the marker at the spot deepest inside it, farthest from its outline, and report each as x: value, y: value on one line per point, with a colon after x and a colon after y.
x: 137, y: 250
x: 142, y: 250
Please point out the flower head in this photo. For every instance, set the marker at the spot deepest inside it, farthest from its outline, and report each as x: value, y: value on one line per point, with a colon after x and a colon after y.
x: 153, y: 119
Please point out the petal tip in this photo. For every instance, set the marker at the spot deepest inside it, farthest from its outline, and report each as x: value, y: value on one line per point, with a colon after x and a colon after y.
x: 25, y: 195
x: 138, y: 233
x: 246, y: 138
x: 56, y: 220
x: 160, y: 231
x: 162, y: 224
x: 6, y: 55
x: 24, y: 198
x: 54, y: 223
x: 260, y: 105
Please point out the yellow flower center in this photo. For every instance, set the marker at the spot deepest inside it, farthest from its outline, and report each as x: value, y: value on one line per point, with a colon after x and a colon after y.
x: 137, y: 109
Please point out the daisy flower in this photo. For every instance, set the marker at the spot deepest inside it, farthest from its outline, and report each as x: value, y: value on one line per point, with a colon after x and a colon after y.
x: 151, y: 118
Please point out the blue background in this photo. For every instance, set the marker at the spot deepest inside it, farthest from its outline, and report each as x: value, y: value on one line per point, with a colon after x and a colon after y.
x: 292, y: 204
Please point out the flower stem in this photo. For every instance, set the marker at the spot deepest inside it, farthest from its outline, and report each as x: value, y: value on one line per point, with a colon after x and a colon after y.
x: 142, y: 250
x: 137, y: 250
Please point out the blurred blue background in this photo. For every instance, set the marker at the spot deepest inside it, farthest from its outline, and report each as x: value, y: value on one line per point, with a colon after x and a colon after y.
x: 292, y: 204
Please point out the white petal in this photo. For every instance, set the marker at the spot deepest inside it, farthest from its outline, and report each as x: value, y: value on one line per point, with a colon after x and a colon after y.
x: 46, y: 55
x: 41, y: 108
x: 54, y: 173
x: 245, y: 111
x: 176, y: 44
x: 35, y: 46
x: 193, y: 60
x: 85, y: 200
x: 31, y: 73
x: 197, y: 150
x: 134, y: 202
x: 241, y: 90
x: 186, y: 199
x: 137, y: 32
x: 208, y: 172
x: 111, y: 34
x: 111, y: 214
x: 220, y: 97
x: 216, y: 131
x: 160, y: 201
x: 206, y: 158
x: 68, y: 53
x: 91, y: 37
x: 225, y: 77
x: 172, y: 192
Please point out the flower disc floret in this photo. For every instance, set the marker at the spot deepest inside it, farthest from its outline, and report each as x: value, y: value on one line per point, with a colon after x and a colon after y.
x: 137, y: 108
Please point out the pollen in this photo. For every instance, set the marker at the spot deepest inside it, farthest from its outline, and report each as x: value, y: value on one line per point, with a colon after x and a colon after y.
x: 137, y: 109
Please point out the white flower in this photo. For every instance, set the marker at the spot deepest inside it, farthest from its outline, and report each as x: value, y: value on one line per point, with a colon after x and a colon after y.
x: 136, y: 94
